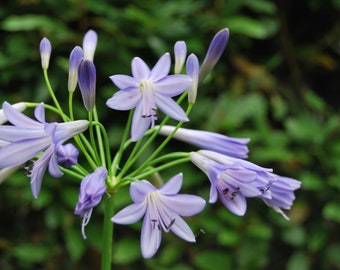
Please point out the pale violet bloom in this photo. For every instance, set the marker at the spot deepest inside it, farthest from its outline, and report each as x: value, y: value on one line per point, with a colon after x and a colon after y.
x: 76, y: 56
x: 161, y: 209
x: 148, y: 90
x: 234, y: 147
x: 282, y: 194
x: 89, y: 44
x: 215, y: 50
x: 45, y: 52
x: 92, y: 189
x: 67, y: 155
x: 233, y: 179
x: 180, y: 50
x: 27, y: 138
x: 192, y: 66
x: 20, y: 106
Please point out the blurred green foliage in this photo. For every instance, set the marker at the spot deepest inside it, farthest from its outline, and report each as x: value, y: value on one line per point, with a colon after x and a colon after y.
x: 277, y: 83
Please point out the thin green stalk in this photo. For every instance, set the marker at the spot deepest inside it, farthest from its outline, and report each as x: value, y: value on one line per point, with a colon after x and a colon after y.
x: 107, y: 232
x: 99, y: 138
x: 106, y: 144
x: 92, y: 140
x: 70, y: 105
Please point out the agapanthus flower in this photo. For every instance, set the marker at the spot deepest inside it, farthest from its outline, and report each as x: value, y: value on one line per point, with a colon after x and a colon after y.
x: 215, y: 50
x: 234, y: 147
x: 92, y: 189
x: 67, y: 155
x: 76, y: 56
x: 27, y: 138
x: 45, y: 52
x: 282, y: 194
x: 192, y: 66
x: 87, y: 83
x: 148, y: 90
x: 89, y: 44
x: 233, y: 179
x: 180, y: 50
x: 161, y: 209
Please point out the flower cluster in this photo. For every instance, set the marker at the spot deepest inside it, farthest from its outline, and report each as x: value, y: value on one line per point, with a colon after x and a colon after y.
x: 38, y: 145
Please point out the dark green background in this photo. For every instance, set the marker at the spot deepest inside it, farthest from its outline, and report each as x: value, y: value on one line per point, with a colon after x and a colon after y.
x: 277, y: 83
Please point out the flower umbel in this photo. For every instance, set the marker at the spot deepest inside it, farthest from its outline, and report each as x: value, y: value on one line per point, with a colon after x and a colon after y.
x: 27, y: 138
x: 161, y: 209
x: 148, y: 90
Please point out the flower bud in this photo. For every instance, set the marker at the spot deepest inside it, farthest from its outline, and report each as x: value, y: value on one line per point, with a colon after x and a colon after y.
x: 75, y: 58
x: 45, y: 52
x: 193, y: 71
x: 90, y: 44
x: 87, y: 83
x: 216, y: 48
x: 67, y: 155
x: 180, y: 50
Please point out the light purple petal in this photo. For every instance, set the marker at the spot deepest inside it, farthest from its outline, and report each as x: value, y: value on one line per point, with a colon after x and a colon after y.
x: 53, y: 168
x: 68, y: 130
x: 39, y: 113
x: 13, y: 133
x: 139, y: 190
x: 171, y: 108
x: 130, y: 214
x: 192, y: 67
x: 161, y: 69
x: 20, y: 152
x: 237, y: 205
x: 182, y: 230
x: 213, y: 194
x: 173, y: 85
x: 173, y: 185
x: 139, y: 124
x: 124, y: 99
x: 184, y: 204
x: 151, y: 237
x: 90, y: 44
x: 180, y: 50
x: 140, y: 70
x: 124, y: 81
x: 19, y: 119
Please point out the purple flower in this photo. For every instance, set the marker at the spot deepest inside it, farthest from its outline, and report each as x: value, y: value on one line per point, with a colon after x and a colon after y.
x: 76, y: 57
x: 92, y: 189
x: 45, y: 52
x: 232, y: 179
x: 148, y: 90
x: 282, y: 194
x: 67, y: 155
x: 193, y: 71
x: 27, y: 138
x: 161, y: 209
x: 90, y: 44
x: 87, y: 83
x: 180, y: 50
x: 233, y: 147
x: 215, y: 50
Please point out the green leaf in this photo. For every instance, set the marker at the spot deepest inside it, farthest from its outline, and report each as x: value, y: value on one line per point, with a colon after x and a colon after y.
x: 332, y: 211
x: 127, y: 251
x: 212, y: 260
x: 31, y: 253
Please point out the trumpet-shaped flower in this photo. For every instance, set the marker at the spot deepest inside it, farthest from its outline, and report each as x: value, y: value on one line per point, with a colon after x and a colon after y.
x: 92, y: 189
x: 233, y: 147
x: 161, y: 209
x: 232, y: 179
x: 27, y: 138
x: 148, y: 90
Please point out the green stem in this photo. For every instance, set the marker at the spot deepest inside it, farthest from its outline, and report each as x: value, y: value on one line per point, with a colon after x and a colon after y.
x: 70, y: 105
x: 107, y: 232
x: 92, y: 140
x: 99, y: 137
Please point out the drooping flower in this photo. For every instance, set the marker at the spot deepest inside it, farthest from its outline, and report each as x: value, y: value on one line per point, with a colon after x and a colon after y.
x: 27, y: 138
x: 45, y: 52
x: 87, y: 83
x: 92, y: 189
x: 20, y: 106
x: 76, y: 57
x: 148, y: 90
x: 234, y: 147
x: 67, y: 155
x: 233, y: 179
x: 161, y: 209
x: 180, y: 50
x: 215, y: 50
x: 282, y: 194
x: 193, y: 71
